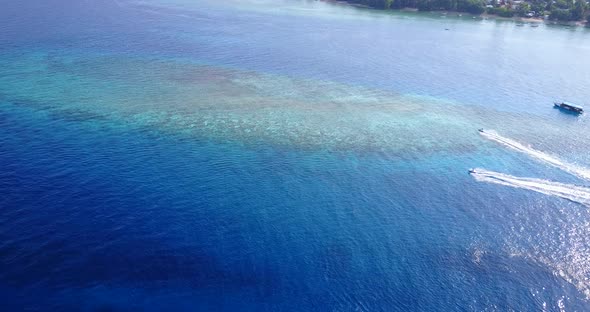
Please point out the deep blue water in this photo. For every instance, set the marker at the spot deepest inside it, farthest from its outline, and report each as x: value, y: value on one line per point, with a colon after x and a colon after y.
x: 286, y: 156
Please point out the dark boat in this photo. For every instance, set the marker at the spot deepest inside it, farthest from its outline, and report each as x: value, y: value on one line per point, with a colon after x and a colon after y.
x: 480, y: 130
x: 471, y: 171
x: 569, y: 107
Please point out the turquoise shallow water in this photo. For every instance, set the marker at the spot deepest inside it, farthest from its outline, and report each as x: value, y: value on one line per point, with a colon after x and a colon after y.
x: 291, y: 155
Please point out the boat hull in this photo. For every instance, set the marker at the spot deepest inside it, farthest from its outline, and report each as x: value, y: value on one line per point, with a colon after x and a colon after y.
x: 570, y: 109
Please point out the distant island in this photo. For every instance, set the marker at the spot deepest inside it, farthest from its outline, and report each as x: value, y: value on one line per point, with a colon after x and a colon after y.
x: 556, y: 10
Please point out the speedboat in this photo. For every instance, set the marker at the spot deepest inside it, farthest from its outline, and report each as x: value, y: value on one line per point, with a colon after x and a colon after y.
x: 471, y: 171
x: 577, y: 109
x: 480, y: 130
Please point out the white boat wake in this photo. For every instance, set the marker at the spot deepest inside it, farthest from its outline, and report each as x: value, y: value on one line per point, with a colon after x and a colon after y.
x: 570, y: 192
x: 578, y: 171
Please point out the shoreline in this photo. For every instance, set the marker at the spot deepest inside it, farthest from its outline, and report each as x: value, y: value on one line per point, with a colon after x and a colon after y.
x: 485, y: 16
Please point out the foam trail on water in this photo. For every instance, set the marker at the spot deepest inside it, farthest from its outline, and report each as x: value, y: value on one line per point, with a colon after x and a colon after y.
x: 578, y: 171
x: 567, y: 191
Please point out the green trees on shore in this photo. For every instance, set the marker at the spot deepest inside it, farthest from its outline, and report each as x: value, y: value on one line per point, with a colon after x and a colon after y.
x: 469, y: 6
x: 379, y: 4
x: 562, y: 10
x: 501, y: 11
x: 567, y: 10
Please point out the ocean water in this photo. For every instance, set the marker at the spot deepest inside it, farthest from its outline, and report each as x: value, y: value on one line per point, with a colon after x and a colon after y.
x: 170, y: 155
